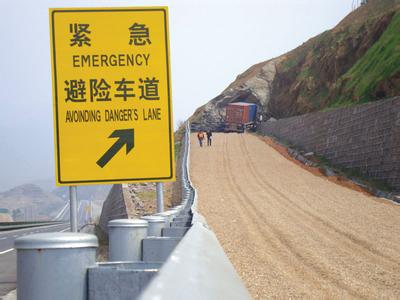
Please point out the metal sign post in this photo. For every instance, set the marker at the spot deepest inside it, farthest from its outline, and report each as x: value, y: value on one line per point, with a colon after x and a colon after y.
x: 91, y: 212
x: 73, y: 208
x: 160, y: 197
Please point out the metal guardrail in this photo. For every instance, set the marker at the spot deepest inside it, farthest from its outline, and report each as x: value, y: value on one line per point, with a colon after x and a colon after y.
x: 198, y: 268
x: 172, y: 256
x: 19, y: 225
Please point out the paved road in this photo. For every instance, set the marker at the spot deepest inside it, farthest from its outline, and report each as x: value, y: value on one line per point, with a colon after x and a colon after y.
x: 7, y: 252
x: 291, y: 234
x: 8, y: 256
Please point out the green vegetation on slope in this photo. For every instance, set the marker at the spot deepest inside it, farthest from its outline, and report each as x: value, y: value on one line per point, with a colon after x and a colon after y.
x: 381, y: 61
x: 357, y: 61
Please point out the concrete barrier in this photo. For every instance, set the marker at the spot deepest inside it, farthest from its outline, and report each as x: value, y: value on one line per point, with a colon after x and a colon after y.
x: 156, y: 224
x: 106, y: 279
x: 175, y: 231
x: 125, y: 239
x: 54, y: 265
x: 158, y: 248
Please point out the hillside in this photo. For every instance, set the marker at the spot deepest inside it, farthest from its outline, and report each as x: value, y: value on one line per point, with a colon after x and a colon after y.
x: 358, y: 61
x: 28, y: 201
x: 85, y: 192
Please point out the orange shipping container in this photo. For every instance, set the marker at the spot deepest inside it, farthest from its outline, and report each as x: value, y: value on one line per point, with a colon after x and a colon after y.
x: 238, y: 113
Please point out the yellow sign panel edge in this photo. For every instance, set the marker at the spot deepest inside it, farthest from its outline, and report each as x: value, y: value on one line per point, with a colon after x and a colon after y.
x: 59, y: 182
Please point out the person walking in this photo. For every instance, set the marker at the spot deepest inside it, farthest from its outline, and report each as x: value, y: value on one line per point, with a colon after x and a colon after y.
x: 200, y: 136
x: 209, y: 137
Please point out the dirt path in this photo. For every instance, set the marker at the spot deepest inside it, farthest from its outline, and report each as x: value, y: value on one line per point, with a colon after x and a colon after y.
x: 290, y: 233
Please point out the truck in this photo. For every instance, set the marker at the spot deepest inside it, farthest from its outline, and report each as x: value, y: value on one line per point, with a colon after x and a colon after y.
x: 240, y: 116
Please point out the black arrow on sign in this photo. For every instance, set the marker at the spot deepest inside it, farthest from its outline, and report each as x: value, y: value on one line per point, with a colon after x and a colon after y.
x: 125, y: 136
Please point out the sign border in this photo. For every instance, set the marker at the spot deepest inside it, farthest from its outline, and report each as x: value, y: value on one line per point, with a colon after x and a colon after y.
x: 55, y: 95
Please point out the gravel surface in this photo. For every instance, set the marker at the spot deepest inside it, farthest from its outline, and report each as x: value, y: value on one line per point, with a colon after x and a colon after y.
x: 289, y: 233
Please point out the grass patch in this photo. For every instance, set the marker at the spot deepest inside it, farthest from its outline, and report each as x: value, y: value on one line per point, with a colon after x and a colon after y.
x: 380, y: 62
x: 102, y: 251
x: 178, y: 146
x: 101, y: 235
x: 146, y: 195
x: 320, y: 96
x: 304, y: 74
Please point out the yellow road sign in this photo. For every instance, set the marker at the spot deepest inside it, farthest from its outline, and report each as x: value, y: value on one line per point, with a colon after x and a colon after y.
x: 111, y: 95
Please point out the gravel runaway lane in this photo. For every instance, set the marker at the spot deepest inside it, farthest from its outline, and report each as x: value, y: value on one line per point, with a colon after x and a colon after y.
x: 289, y: 233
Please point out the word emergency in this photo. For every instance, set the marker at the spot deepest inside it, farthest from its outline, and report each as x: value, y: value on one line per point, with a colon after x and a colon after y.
x: 112, y: 60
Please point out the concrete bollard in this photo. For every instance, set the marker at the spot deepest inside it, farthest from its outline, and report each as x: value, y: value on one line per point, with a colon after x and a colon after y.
x: 125, y: 239
x: 175, y: 211
x: 54, y: 265
x: 168, y: 215
x: 179, y: 207
x: 156, y: 224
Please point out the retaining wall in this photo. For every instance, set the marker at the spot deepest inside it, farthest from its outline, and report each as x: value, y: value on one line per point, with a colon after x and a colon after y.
x: 363, y: 137
x: 116, y: 206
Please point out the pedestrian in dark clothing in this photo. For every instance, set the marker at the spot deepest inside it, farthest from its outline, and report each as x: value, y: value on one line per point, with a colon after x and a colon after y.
x: 209, y: 137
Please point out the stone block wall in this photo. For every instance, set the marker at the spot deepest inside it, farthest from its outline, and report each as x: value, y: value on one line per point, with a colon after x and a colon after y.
x: 117, y: 206
x: 363, y: 137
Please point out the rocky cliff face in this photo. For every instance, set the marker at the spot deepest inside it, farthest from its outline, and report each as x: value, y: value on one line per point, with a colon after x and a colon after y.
x: 254, y: 85
x: 357, y: 61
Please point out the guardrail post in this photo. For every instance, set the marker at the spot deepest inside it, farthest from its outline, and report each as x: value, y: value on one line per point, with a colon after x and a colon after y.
x: 54, y: 265
x: 156, y: 224
x: 168, y: 215
x: 125, y: 239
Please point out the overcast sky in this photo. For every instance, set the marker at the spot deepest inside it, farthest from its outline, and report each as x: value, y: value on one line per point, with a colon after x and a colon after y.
x: 211, y: 43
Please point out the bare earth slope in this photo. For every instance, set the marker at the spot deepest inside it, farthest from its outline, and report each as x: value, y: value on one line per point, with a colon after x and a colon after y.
x: 289, y: 233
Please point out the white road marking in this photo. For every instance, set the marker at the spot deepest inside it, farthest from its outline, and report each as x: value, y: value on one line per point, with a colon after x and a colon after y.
x: 27, y: 229
x: 3, y: 238
x: 6, y: 251
x: 64, y: 230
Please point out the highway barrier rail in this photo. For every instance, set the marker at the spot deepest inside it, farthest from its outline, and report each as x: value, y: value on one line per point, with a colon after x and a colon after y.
x: 20, y: 225
x: 169, y: 255
x: 198, y: 268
